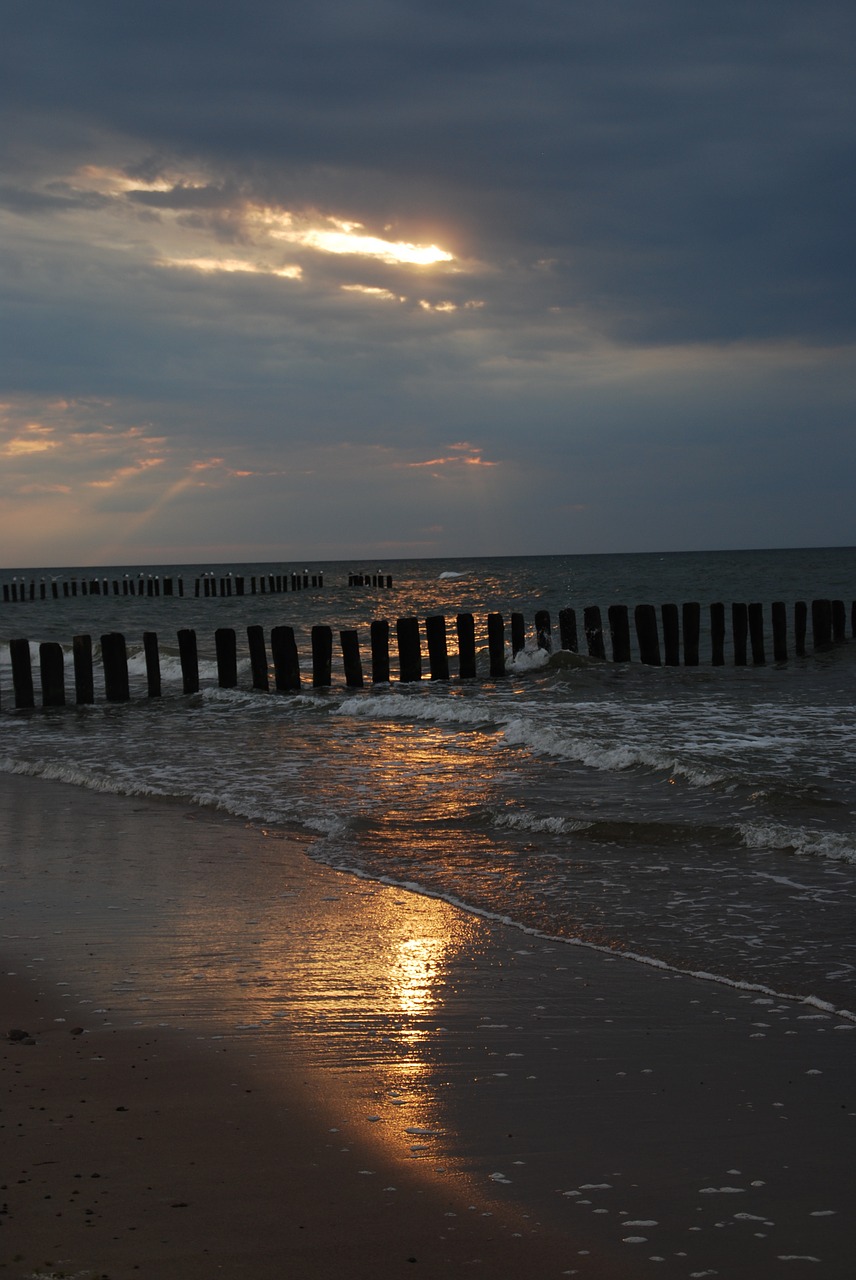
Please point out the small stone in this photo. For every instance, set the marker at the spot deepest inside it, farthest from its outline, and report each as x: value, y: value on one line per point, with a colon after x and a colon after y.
x: 16, y: 1034
x: 76, y: 1031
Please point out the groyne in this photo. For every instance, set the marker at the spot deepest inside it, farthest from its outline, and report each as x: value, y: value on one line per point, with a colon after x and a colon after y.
x: 668, y: 637
x: 153, y: 585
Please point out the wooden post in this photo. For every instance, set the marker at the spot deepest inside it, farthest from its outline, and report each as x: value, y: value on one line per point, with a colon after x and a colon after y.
x: 800, y: 625
x: 839, y: 621
x: 544, y: 630
x: 114, y: 659
x: 568, y: 630
x: 853, y: 619
x: 647, y: 636
x: 167, y: 586
x: 52, y: 673
x: 619, y: 632
x: 717, y: 635
x: 821, y: 623
x: 496, y: 644
x: 466, y: 629
x: 322, y: 657
x: 671, y: 635
x: 594, y: 631
x: 739, y: 631
x: 756, y: 633
x: 22, y: 673
x: 351, y: 660
x: 379, y: 632
x: 518, y: 634
x: 691, y: 617
x: 189, y: 659
x: 258, y: 658
x: 409, y: 652
x: 153, y: 672
x: 226, y: 645
x: 286, y: 665
x: 780, y: 631
x: 438, y: 652
x: 84, y: 678
x: 239, y: 586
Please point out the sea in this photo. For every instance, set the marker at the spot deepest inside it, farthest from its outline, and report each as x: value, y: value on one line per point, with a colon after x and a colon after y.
x: 700, y: 818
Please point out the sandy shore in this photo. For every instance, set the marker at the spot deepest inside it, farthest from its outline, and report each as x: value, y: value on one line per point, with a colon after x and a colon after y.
x: 241, y: 1063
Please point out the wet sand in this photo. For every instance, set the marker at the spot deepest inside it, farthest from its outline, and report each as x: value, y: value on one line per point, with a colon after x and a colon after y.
x: 246, y: 1064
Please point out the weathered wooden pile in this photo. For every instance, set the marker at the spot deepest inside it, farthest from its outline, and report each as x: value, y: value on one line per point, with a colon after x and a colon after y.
x: 680, y: 637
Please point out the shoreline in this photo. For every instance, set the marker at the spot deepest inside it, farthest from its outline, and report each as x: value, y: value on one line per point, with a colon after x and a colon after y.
x: 613, y: 1119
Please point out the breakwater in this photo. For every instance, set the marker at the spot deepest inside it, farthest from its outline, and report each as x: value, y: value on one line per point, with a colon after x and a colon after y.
x: 670, y: 637
x: 152, y: 585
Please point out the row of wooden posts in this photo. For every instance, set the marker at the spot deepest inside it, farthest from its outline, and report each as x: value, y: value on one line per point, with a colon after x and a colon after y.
x: 208, y: 584
x: 828, y: 623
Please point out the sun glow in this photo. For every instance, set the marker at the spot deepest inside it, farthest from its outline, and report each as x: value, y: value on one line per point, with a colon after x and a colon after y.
x: 229, y: 265
x: 338, y: 236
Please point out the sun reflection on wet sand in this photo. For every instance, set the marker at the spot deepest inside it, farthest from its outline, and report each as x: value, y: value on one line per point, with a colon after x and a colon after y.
x: 353, y: 1001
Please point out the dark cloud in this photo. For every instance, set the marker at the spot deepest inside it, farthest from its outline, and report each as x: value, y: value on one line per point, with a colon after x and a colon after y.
x: 651, y: 208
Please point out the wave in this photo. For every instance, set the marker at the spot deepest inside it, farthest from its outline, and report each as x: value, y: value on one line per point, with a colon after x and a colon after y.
x: 807, y: 842
x: 530, y: 822
x: 398, y: 706
x: 529, y: 733
x: 635, y: 957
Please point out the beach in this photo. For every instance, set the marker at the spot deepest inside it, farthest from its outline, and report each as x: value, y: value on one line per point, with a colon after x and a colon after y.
x: 245, y: 1063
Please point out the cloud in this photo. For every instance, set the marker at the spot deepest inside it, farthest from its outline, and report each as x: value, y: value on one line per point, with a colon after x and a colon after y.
x: 608, y: 246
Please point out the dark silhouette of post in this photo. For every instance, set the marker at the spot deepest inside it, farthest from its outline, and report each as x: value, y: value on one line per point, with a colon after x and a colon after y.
x: 821, y: 623
x: 671, y: 635
x: 189, y: 658
x: 739, y: 632
x: 717, y: 634
x: 755, y: 614
x: 800, y: 626
x: 286, y: 665
x: 619, y: 632
x: 839, y: 622
x: 647, y: 636
x: 114, y: 659
x: 496, y: 644
x: 568, y: 630
x: 780, y: 631
x: 258, y: 658
x: 409, y: 651
x: 226, y: 646
x: 594, y: 631
x: 438, y: 650
x: 153, y: 671
x: 351, y: 659
x: 22, y: 673
x: 691, y: 617
x: 322, y: 657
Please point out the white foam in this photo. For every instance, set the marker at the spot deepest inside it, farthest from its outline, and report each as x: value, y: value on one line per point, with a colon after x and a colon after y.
x: 518, y: 821
x: 831, y: 845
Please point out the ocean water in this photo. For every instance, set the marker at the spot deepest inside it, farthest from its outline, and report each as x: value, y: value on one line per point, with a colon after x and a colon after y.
x: 700, y: 818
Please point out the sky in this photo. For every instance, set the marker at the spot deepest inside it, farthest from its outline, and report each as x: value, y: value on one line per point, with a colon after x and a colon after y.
x: 385, y: 278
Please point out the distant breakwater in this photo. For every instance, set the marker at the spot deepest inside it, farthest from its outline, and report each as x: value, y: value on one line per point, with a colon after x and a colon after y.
x: 672, y: 639
x: 22, y: 590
